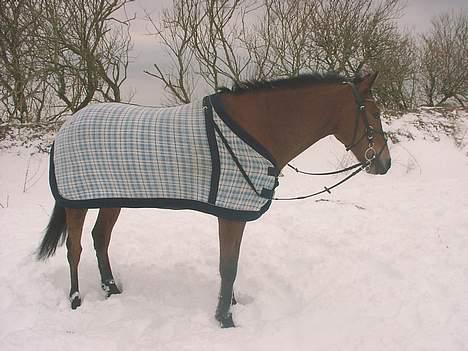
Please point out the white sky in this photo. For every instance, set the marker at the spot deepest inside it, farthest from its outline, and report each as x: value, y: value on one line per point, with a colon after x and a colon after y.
x: 416, y: 17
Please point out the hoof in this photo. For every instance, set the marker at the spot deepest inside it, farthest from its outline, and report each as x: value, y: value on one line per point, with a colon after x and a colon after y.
x: 226, y: 321
x: 110, y: 288
x: 75, y: 300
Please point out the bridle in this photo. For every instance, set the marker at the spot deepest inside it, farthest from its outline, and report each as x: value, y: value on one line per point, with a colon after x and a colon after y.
x: 370, y: 154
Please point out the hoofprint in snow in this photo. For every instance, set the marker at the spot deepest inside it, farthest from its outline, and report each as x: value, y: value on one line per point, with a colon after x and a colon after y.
x: 381, y: 264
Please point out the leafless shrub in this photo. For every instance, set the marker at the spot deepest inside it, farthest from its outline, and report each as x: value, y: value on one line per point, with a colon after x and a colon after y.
x: 396, y: 87
x: 22, y: 95
x: 58, y: 56
x: 444, y: 59
x: 87, y: 50
x: 280, y: 44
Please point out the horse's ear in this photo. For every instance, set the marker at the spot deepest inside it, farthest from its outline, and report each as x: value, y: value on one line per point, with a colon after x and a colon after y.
x: 367, y: 81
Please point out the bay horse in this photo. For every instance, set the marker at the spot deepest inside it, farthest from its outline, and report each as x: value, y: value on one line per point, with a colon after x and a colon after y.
x: 285, y: 117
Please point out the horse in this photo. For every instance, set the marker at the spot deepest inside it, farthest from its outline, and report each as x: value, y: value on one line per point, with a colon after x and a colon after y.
x: 281, y: 118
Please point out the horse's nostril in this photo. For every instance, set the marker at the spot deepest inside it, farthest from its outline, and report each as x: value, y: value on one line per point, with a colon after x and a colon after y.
x: 384, y: 165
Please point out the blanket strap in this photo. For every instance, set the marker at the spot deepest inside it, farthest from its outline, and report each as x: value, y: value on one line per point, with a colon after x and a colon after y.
x: 265, y: 193
x: 215, y: 163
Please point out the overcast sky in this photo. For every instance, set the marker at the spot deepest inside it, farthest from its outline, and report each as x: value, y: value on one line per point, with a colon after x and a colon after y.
x: 416, y: 16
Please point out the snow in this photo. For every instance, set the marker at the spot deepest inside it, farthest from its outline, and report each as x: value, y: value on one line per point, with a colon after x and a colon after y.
x: 381, y: 264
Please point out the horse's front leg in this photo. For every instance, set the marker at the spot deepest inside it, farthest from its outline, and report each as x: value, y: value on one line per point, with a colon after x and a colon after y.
x: 230, y: 238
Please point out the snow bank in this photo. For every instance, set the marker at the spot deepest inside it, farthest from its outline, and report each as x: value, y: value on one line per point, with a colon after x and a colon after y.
x: 381, y: 264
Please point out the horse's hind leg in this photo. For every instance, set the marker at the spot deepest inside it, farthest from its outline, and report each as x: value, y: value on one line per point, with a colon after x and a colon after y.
x: 230, y: 238
x: 75, y: 219
x: 101, y: 235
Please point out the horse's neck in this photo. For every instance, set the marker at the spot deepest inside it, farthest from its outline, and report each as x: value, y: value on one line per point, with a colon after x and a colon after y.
x: 285, y: 122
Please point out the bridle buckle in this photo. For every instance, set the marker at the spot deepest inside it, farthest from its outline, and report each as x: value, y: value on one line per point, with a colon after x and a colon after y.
x: 370, y: 154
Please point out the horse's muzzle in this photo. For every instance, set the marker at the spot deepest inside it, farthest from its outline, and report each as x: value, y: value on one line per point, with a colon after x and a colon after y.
x: 380, y: 166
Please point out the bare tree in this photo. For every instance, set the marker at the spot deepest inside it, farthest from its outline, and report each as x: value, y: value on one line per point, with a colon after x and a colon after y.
x: 113, y: 63
x: 218, y: 27
x: 258, y: 44
x: 21, y: 79
x: 444, y: 59
x: 175, y: 32
x: 280, y: 44
x: 350, y: 33
x: 203, y: 38
x: 87, y: 49
x: 58, y: 56
x: 396, y: 87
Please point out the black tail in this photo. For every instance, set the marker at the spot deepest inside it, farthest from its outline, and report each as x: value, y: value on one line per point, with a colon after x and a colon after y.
x: 55, y: 233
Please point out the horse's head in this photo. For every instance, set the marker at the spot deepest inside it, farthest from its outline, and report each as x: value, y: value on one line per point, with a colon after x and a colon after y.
x: 360, y: 127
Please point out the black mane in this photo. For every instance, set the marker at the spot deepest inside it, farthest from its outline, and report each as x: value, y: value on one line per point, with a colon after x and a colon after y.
x: 291, y: 83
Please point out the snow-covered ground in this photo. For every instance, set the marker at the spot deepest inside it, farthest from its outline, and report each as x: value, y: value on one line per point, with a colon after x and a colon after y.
x: 381, y: 264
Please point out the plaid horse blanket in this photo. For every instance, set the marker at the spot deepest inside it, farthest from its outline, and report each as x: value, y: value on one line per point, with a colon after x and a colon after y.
x: 192, y: 156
